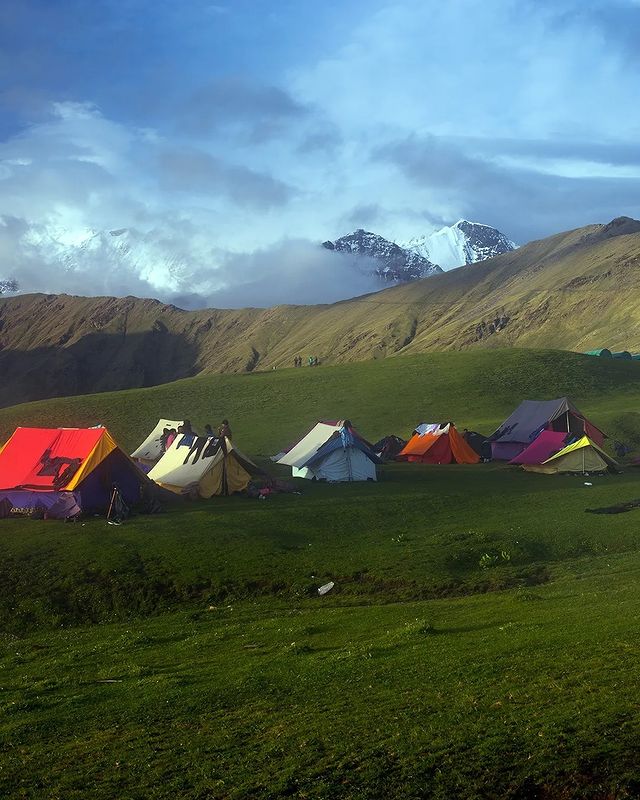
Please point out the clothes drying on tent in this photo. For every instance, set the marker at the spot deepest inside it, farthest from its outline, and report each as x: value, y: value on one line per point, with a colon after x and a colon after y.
x: 332, y: 452
x: 205, y: 465
x: 545, y: 445
x: 427, y: 427
x: 61, y: 471
x: 578, y: 457
x: 151, y: 449
x: 439, y: 444
x: 533, y: 416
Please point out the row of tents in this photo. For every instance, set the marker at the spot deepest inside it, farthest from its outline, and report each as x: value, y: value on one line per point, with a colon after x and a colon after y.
x: 546, y: 436
x: 604, y: 352
x: 62, y: 471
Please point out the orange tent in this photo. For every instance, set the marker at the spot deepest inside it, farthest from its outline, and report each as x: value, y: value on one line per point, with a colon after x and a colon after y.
x: 438, y: 445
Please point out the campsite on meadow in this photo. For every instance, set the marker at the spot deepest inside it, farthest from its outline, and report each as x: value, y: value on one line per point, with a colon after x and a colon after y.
x: 319, y: 400
x: 480, y: 607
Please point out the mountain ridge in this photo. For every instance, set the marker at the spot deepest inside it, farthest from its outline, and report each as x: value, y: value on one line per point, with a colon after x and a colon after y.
x: 391, y: 262
x: 573, y: 291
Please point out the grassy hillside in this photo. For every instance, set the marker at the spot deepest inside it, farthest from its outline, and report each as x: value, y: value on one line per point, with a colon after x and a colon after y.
x: 480, y: 641
x: 572, y: 291
x: 269, y: 410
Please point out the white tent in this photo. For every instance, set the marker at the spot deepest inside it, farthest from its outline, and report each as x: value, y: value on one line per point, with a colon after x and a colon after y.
x: 209, y: 466
x: 325, y: 455
x: 306, y: 447
x: 150, y: 450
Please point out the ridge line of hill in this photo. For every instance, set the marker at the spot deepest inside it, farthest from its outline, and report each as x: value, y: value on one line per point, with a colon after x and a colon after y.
x: 571, y: 291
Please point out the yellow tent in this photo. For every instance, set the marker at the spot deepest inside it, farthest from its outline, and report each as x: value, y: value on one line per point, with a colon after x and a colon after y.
x: 581, y: 456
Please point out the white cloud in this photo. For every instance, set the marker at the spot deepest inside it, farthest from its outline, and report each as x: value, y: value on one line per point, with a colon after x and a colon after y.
x: 419, y: 113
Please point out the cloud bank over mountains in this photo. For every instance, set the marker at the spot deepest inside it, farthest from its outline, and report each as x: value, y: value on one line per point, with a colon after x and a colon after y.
x: 226, y: 172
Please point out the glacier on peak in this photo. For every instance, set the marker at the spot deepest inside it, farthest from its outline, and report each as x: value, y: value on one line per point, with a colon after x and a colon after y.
x: 461, y: 243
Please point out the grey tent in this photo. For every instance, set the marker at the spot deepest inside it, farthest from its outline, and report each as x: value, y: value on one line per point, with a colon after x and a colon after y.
x: 533, y: 416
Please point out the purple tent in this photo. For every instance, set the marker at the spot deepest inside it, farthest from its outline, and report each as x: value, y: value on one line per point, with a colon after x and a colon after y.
x: 519, y: 430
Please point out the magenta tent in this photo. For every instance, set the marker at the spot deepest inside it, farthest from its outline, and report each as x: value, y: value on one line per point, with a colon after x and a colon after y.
x: 545, y: 445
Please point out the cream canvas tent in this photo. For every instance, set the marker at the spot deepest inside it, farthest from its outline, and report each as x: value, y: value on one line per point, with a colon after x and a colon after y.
x: 150, y: 450
x: 207, y: 467
x: 332, y: 452
x: 580, y: 457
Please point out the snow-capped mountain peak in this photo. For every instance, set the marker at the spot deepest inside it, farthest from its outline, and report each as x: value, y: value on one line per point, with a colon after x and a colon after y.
x: 390, y: 262
x: 462, y: 243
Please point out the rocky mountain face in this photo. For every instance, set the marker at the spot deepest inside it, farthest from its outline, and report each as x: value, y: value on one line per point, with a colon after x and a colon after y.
x: 390, y: 262
x: 460, y: 244
x: 8, y: 286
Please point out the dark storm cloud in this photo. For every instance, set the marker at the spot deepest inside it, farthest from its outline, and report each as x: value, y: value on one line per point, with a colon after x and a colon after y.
x: 526, y: 203
x: 195, y: 171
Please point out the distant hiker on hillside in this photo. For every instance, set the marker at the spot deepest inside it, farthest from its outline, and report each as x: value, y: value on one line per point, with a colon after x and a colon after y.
x: 208, y: 431
x: 224, y: 431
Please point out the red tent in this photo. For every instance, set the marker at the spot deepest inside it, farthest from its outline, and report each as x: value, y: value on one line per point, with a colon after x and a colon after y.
x: 39, y: 467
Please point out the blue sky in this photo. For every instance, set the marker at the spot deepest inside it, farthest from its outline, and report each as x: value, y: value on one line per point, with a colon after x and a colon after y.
x: 231, y: 137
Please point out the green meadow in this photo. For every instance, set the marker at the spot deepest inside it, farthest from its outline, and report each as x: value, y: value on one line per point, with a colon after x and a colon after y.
x: 481, y: 640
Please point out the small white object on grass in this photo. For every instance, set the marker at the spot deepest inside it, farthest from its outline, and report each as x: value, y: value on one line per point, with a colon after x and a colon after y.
x: 326, y: 588
x: 586, y: 483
